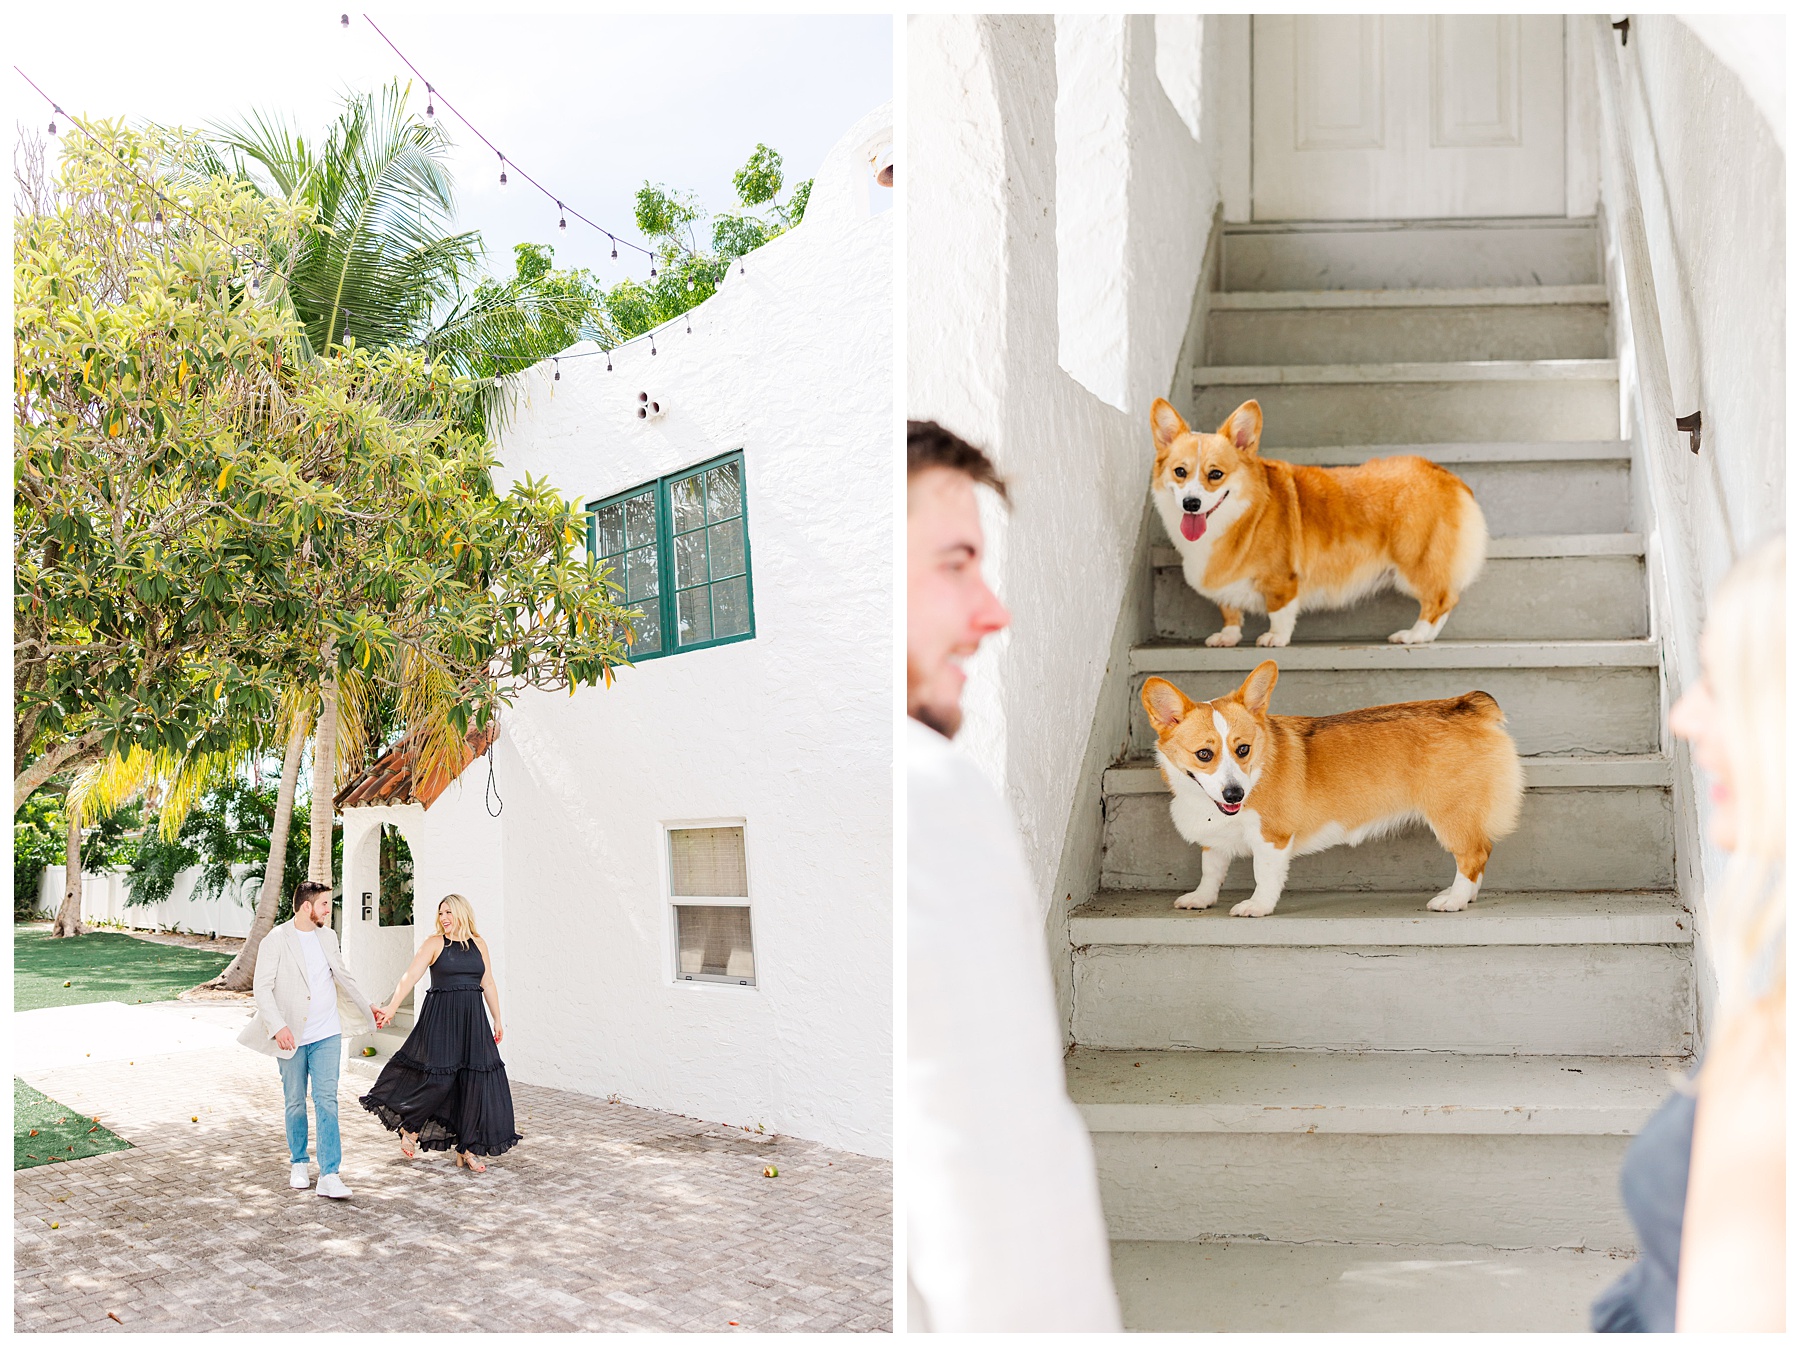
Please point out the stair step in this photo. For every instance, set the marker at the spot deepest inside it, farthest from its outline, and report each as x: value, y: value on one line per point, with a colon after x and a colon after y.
x: 1560, y: 697
x: 1546, y: 588
x: 1158, y: 658
x: 1455, y: 452
x: 1141, y: 776
x: 1313, y: 334
x: 1518, y: 1191
x: 1409, y: 254
x: 1381, y: 1093
x: 1569, y: 839
x: 1262, y: 1286
x: 1493, y: 296
x: 1150, y: 917
x: 1415, y: 402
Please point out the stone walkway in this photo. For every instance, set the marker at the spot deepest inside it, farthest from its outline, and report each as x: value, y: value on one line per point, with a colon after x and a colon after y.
x: 605, y: 1217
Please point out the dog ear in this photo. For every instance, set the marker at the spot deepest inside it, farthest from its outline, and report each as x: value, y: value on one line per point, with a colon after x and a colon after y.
x: 1257, y: 687
x: 1166, y: 425
x: 1165, y: 704
x: 1244, y: 426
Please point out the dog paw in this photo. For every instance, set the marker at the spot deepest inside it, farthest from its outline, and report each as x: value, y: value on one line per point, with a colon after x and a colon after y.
x: 1252, y: 907
x: 1449, y: 901
x: 1196, y: 900
x: 1412, y: 636
x: 1230, y: 636
x: 1270, y: 638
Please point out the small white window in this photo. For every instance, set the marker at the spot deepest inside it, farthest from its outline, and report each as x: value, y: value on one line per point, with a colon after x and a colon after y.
x: 710, y: 889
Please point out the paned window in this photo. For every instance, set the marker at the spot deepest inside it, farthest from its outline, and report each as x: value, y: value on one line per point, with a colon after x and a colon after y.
x: 679, y: 548
x: 710, y: 892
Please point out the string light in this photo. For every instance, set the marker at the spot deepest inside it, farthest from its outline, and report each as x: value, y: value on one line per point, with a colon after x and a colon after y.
x: 558, y: 365
x: 430, y: 111
x: 652, y: 341
x: 562, y: 222
x: 609, y: 360
x: 476, y: 131
x: 53, y: 122
x: 344, y: 20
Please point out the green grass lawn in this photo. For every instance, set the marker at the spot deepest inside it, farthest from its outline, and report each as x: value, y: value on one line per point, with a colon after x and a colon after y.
x: 46, y: 1132
x: 104, y: 966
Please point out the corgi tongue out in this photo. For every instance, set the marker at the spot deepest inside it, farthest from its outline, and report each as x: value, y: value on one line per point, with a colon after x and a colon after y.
x: 1193, y: 526
x: 1229, y: 808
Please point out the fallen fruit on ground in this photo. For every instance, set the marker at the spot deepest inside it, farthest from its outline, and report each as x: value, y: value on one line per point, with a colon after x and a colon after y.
x: 368, y: 1052
x: 771, y: 1173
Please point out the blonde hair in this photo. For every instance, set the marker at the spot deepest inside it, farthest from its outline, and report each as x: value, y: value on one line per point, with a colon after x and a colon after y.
x: 1746, y: 637
x: 463, y: 915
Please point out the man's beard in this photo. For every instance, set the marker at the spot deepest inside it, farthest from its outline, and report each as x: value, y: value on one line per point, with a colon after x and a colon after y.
x: 946, y: 720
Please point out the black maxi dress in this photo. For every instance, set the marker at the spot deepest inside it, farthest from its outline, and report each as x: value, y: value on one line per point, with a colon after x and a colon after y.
x: 447, y: 1082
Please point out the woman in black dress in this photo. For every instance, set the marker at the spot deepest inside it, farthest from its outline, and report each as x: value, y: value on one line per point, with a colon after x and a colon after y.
x: 445, y: 1088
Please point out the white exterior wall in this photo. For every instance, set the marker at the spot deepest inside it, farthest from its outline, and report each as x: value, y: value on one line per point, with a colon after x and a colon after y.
x: 1713, y: 177
x: 103, y: 898
x: 984, y: 342
x: 789, y: 733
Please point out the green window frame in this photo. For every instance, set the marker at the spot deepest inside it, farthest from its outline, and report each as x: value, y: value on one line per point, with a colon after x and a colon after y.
x: 679, y: 548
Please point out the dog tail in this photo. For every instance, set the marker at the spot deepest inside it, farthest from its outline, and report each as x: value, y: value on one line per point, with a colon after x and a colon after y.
x: 1471, y: 542
x: 1504, y: 772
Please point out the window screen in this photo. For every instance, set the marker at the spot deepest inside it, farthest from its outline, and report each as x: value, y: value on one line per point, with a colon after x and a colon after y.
x: 714, y: 944
x: 707, y: 863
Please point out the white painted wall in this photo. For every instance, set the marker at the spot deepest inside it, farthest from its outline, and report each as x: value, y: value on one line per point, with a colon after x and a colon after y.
x: 1713, y: 178
x: 789, y: 733
x: 987, y: 353
x: 104, y: 894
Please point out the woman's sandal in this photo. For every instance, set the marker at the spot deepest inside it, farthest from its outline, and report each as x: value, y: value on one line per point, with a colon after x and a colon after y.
x: 466, y: 1161
x: 409, y: 1154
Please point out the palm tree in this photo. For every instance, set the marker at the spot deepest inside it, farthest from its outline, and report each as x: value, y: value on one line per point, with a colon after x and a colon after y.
x: 382, y: 265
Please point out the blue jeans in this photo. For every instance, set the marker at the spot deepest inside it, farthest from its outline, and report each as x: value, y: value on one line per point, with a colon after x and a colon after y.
x: 320, y: 1061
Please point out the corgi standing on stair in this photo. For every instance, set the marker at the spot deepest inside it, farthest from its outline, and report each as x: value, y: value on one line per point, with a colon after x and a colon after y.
x: 1245, y: 782
x: 1261, y: 536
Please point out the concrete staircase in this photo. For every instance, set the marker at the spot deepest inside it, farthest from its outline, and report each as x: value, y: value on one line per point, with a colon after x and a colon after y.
x: 1358, y: 1114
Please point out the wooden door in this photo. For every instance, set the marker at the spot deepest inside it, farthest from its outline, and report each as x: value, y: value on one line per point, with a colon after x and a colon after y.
x: 1406, y: 117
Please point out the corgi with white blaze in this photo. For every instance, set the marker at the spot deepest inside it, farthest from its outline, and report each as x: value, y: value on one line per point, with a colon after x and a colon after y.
x: 1245, y: 782
x: 1261, y: 536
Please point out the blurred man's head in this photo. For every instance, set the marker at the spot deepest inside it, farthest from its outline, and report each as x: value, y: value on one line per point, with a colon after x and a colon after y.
x: 949, y: 608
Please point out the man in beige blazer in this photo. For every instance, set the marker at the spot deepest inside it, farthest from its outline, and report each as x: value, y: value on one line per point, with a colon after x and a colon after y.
x: 303, y: 995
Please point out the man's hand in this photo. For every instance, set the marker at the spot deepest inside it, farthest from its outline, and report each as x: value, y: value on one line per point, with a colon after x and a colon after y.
x: 381, y: 1017
x: 285, y: 1040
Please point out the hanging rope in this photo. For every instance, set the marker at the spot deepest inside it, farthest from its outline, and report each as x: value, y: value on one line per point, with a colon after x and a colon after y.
x: 491, y: 796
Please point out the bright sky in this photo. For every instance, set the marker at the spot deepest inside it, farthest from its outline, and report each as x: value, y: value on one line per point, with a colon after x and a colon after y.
x: 590, y: 105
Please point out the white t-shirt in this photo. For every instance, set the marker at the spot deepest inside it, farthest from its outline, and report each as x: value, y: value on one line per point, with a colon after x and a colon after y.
x: 1003, y: 1223
x: 322, y: 1018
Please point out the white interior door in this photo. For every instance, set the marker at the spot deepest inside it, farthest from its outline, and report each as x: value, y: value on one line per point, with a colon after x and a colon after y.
x: 1406, y: 117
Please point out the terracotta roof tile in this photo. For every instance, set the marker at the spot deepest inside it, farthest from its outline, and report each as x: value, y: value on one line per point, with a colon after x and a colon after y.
x: 389, y: 779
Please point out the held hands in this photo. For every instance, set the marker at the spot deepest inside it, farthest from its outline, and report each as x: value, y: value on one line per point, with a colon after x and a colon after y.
x: 383, y: 1016
x: 284, y: 1039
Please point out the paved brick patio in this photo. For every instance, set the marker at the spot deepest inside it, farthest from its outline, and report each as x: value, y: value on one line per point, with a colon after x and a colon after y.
x: 605, y: 1217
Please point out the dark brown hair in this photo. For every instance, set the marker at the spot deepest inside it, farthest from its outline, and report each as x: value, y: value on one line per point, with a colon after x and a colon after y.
x: 310, y: 889
x: 929, y: 445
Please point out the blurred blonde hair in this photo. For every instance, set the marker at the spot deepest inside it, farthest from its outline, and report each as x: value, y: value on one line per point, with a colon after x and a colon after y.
x: 463, y: 915
x: 1746, y: 638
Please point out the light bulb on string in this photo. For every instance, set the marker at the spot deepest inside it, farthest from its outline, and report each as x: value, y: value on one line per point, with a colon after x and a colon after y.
x: 430, y: 111
x: 609, y: 360
x: 343, y: 20
x: 53, y: 123
x: 615, y: 248
x: 652, y: 341
x: 562, y: 220
x: 502, y: 168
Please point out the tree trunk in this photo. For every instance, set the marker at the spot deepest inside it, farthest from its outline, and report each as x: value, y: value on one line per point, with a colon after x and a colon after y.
x: 61, y: 758
x: 318, y: 861
x: 68, y: 916
x: 241, y: 971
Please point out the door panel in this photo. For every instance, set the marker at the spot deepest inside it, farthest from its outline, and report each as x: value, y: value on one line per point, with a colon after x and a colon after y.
x: 1408, y: 117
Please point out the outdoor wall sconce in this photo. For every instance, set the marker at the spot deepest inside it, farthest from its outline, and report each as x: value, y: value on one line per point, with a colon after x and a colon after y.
x: 648, y: 410
x: 368, y: 904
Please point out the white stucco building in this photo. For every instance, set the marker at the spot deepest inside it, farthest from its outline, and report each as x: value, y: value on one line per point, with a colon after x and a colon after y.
x: 741, y: 772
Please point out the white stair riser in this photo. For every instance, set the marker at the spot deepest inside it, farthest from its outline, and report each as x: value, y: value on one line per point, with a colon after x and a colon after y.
x: 1555, y: 710
x: 1501, y: 1191
x: 1568, y: 840
x: 1607, y: 1000
x: 1410, y: 258
x: 1586, y: 496
x: 1312, y: 336
x: 1419, y: 413
x: 1515, y: 598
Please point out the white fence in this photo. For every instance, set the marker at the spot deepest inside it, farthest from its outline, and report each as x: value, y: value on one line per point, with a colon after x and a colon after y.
x: 103, y: 898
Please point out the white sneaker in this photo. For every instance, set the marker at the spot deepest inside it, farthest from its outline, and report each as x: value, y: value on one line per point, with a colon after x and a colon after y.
x: 297, y: 1176
x: 330, y: 1185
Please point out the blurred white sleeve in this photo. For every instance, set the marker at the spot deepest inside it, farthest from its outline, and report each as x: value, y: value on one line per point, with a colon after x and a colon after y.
x: 1004, y: 1229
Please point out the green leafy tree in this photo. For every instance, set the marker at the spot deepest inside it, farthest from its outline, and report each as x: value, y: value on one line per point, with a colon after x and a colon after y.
x: 38, y: 831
